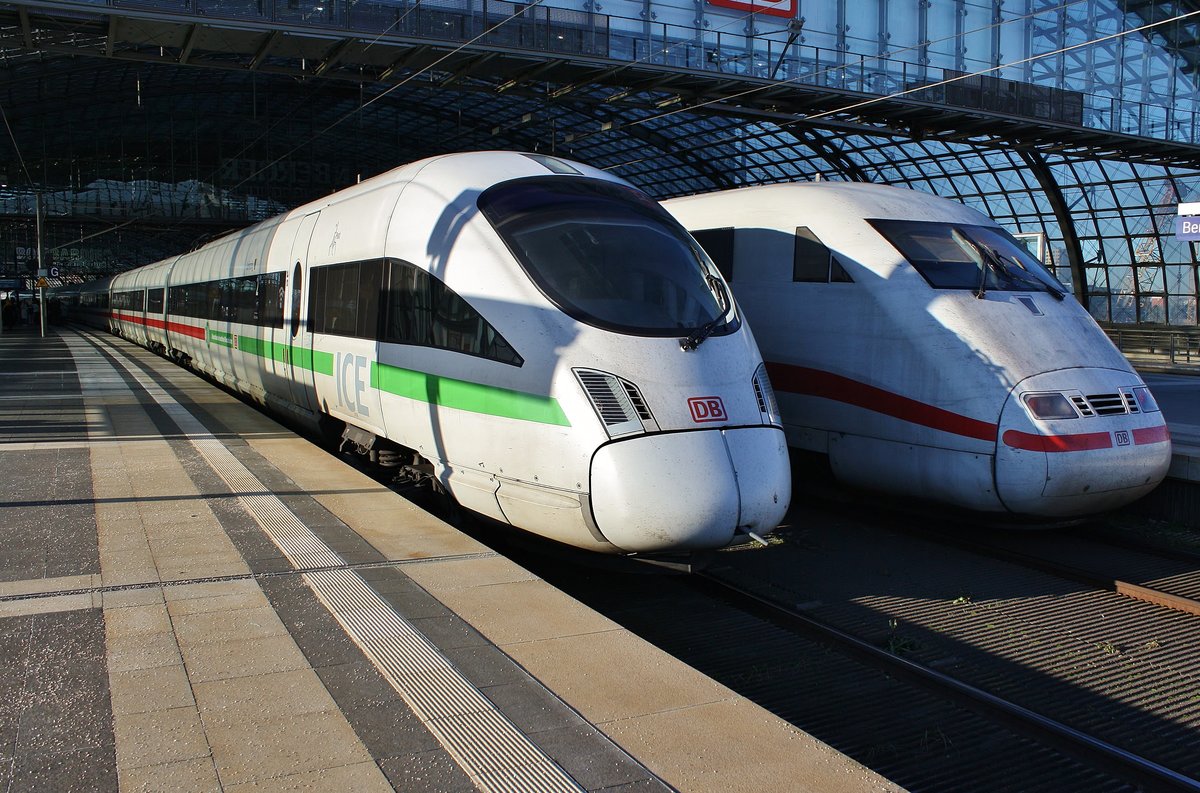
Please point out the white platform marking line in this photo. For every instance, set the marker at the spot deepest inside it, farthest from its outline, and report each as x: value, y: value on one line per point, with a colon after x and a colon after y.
x: 486, y: 745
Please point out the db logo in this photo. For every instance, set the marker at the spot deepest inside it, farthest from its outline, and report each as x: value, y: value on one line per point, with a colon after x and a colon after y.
x: 707, y: 409
x: 1122, y: 438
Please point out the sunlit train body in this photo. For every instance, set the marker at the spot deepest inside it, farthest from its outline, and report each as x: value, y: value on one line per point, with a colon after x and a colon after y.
x: 539, y: 336
x: 928, y: 354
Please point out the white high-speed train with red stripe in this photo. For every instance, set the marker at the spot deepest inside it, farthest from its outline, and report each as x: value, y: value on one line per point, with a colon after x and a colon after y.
x: 540, y: 337
x: 928, y: 354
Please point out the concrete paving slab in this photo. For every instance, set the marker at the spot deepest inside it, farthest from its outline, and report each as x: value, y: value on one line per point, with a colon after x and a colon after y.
x: 691, y: 750
x: 303, y: 743
x: 224, y: 660
x: 198, y: 775
x: 365, y: 777
x: 614, y: 675
x: 149, y: 690
x: 160, y: 736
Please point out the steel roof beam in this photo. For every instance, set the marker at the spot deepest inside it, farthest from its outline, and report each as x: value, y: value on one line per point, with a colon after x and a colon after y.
x: 189, y: 44
x: 335, y: 55
x: 264, y: 49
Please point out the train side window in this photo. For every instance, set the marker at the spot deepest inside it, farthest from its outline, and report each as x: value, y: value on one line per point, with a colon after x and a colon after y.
x: 718, y: 244
x: 268, y: 299
x: 422, y: 311
x: 343, y: 299
x: 154, y: 300
x: 370, y: 284
x: 812, y: 262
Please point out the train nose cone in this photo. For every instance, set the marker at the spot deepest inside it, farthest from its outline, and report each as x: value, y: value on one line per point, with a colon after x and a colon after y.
x: 1107, y: 456
x: 690, y: 490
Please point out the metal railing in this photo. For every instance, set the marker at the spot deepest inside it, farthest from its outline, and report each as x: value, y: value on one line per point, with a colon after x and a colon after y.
x: 1162, y: 346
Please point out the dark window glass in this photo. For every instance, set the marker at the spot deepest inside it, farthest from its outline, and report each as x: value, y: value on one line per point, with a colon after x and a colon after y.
x: 952, y: 256
x: 811, y: 259
x: 837, y: 273
x: 718, y: 244
x: 344, y: 299
x: 268, y: 299
x: 154, y: 301
x: 129, y: 301
x: 249, y: 300
x: 421, y: 310
x: 609, y: 256
x: 297, y: 281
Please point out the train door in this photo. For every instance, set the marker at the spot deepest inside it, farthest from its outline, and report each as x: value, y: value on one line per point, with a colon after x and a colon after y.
x: 300, y: 364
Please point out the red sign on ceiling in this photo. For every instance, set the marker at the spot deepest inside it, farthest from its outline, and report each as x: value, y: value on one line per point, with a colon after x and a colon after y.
x: 775, y: 8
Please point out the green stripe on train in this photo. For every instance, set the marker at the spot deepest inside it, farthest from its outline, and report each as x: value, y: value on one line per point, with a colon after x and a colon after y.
x: 320, y: 362
x: 465, y: 395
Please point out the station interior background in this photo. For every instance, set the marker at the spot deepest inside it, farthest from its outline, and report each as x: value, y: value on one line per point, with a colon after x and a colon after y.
x: 146, y: 127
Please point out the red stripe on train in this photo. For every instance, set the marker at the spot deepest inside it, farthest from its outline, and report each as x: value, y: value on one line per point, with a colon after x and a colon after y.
x: 1081, y: 442
x: 814, y: 382
x: 173, y: 327
x: 1159, y: 434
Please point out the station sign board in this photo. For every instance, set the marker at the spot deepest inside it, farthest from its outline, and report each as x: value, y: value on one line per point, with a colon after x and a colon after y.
x: 1187, y: 221
x: 775, y: 8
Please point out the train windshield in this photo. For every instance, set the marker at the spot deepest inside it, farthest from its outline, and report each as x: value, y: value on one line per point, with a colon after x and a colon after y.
x: 957, y: 256
x: 609, y: 256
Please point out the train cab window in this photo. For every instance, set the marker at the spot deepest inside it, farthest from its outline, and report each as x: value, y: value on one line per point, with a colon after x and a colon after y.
x: 960, y: 256
x: 421, y: 310
x: 154, y: 301
x: 609, y: 256
x: 812, y: 262
x: 718, y: 244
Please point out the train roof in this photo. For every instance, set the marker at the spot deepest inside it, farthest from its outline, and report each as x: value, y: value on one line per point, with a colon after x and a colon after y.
x: 800, y: 203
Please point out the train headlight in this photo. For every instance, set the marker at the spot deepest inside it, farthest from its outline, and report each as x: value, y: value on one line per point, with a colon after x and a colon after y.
x: 618, y: 403
x: 766, y: 396
x: 1145, y: 399
x: 1050, y: 406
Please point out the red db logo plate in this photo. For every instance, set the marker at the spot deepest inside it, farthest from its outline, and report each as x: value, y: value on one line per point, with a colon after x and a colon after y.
x: 709, y: 408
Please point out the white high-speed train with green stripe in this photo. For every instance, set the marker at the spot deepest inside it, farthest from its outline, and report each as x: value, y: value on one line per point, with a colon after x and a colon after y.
x: 539, y: 336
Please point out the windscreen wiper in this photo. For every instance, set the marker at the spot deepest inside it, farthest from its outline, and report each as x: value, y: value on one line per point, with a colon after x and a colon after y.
x: 1045, y: 287
x: 701, y: 333
x: 987, y: 261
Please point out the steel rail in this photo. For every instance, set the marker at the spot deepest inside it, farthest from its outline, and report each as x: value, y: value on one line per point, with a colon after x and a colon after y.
x: 1021, y: 718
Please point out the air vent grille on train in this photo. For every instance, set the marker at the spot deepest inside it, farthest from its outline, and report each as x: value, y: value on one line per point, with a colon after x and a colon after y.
x: 1106, y: 404
x: 617, y: 402
x: 635, y: 399
x: 1082, y: 405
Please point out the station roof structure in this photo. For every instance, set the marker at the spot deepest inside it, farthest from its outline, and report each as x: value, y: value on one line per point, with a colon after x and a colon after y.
x: 148, y: 125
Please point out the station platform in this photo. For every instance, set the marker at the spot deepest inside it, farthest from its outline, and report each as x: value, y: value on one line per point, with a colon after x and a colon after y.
x: 193, y: 598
